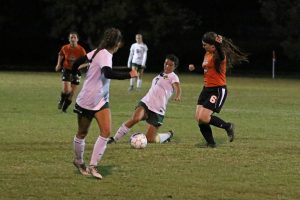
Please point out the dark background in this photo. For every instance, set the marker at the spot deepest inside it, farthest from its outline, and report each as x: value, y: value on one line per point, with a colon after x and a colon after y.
x: 32, y: 32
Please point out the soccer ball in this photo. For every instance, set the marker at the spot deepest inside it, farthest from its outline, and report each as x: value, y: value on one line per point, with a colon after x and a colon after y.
x: 138, y: 141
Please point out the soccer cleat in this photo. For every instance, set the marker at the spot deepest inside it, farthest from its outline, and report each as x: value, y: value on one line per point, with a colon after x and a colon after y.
x: 111, y: 140
x: 171, y: 135
x: 207, y: 145
x: 60, y: 105
x: 230, y: 132
x: 81, y: 168
x: 130, y: 88
x: 92, y: 169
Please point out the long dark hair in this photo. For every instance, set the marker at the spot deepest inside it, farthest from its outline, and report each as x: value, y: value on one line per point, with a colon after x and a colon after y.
x: 233, y: 54
x: 112, y: 37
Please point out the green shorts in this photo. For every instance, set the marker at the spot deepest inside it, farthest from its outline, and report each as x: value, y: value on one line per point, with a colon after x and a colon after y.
x: 152, y: 117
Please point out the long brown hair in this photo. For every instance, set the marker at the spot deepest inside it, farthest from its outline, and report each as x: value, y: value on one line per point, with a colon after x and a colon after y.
x: 233, y: 54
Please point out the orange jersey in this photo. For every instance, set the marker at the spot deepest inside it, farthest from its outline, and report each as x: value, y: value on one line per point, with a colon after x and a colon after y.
x: 211, y: 77
x: 70, y: 54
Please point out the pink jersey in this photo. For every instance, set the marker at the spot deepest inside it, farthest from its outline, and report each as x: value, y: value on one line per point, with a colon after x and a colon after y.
x: 95, y: 90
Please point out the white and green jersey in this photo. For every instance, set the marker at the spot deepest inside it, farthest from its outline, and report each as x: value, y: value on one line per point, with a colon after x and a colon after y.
x: 160, y: 92
x: 138, y: 54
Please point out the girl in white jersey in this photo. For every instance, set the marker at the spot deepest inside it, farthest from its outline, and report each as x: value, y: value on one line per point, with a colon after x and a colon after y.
x: 137, y: 60
x: 152, y: 106
x: 93, y: 100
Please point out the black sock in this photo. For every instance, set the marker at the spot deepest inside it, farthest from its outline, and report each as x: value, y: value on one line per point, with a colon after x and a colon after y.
x: 66, y: 105
x: 62, y: 98
x: 218, y: 122
x: 207, y: 133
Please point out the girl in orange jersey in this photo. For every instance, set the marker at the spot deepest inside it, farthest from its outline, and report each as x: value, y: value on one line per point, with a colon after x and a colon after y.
x: 220, y: 52
x: 70, y: 79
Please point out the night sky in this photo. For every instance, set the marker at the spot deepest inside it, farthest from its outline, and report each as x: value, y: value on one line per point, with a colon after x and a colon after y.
x: 27, y: 44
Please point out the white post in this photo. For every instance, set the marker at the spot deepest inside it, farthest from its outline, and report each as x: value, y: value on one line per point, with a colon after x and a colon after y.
x: 273, y: 64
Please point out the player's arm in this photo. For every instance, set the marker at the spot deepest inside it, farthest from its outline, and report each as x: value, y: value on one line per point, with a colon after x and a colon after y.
x: 59, y: 61
x: 218, y: 45
x: 177, y: 88
x: 130, y: 58
x: 144, y: 59
x: 80, y: 63
x: 112, y: 74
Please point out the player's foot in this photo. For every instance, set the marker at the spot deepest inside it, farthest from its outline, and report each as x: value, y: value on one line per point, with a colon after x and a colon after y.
x: 92, y: 169
x: 111, y: 140
x: 207, y: 145
x: 60, y: 104
x: 130, y: 88
x: 81, y: 168
x: 171, y: 136
x: 230, y: 132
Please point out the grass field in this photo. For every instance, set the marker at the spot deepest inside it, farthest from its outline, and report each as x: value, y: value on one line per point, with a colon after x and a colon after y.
x: 262, y: 163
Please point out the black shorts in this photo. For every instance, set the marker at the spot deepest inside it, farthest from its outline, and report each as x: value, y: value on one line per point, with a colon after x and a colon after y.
x: 137, y: 66
x: 69, y: 76
x: 213, y: 98
x: 88, y: 113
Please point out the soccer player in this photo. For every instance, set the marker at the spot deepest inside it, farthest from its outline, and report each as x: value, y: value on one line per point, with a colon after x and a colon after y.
x: 66, y: 57
x: 137, y: 60
x: 152, y: 106
x: 93, y: 100
x: 220, y: 52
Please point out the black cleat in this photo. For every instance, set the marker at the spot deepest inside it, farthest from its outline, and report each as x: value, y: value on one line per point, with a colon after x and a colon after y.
x: 230, y: 132
x: 171, y: 136
x: 111, y: 140
x: 207, y: 145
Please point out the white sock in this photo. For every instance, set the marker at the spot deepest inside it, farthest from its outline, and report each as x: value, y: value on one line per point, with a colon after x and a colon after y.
x: 139, y: 83
x: 163, y: 137
x: 79, y: 145
x: 121, y: 132
x: 98, y: 151
x: 132, y: 81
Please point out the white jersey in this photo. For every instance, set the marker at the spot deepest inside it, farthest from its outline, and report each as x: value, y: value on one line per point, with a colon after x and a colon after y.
x: 138, y: 54
x: 160, y: 92
x: 95, y: 90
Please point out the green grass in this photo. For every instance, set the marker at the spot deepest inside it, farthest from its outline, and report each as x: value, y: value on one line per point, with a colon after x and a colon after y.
x: 262, y: 163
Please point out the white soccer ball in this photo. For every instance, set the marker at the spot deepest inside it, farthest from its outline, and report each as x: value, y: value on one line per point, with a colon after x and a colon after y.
x: 138, y: 141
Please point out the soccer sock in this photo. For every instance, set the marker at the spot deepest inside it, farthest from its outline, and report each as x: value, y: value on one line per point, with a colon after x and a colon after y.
x: 123, y: 130
x: 206, y: 131
x: 98, y: 151
x: 132, y: 81
x: 139, y: 83
x: 162, y: 137
x: 218, y: 122
x: 67, y: 102
x: 79, y: 145
x: 62, y: 98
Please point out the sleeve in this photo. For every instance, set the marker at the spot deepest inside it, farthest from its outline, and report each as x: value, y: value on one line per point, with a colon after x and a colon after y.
x: 220, y: 51
x: 79, y: 62
x: 130, y: 56
x: 145, y: 56
x: 110, y: 74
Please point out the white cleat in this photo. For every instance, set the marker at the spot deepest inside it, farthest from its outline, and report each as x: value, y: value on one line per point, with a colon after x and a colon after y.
x: 94, y: 172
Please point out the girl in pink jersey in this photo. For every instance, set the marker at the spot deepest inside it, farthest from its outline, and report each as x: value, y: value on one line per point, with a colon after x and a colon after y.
x: 93, y: 100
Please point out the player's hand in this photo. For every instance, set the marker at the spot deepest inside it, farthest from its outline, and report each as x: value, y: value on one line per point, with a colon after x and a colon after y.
x: 219, y: 39
x: 177, y: 98
x: 133, y: 73
x: 191, y: 67
x: 57, y: 68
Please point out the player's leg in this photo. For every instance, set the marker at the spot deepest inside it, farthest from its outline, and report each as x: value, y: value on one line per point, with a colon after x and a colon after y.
x: 103, y: 118
x: 202, y: 117
x: 79, y: 140
x: 139, y: 80
x: 137, y: 116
